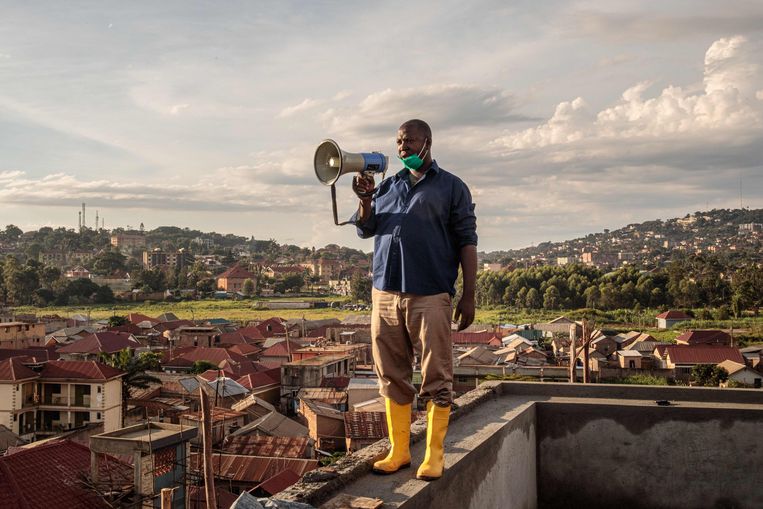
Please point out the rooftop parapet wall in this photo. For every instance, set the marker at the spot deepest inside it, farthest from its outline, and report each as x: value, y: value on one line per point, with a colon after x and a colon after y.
x: 528, y: 445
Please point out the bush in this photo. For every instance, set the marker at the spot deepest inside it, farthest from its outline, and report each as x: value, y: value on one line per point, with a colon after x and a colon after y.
x: 641, y: 380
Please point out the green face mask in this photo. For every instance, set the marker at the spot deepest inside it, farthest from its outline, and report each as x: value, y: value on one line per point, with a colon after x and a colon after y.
x: 415, y: 161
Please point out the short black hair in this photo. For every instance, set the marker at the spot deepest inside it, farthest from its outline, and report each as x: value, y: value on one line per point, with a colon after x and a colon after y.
x: 420, y: 126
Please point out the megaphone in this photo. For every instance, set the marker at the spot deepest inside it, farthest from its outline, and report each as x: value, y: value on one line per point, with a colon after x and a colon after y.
x: 330, y: 163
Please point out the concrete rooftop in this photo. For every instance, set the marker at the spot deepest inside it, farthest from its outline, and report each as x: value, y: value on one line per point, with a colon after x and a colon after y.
x: 542, y: 445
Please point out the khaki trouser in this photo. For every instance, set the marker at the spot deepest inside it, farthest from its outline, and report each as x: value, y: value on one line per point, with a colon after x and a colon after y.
x: 403, y: 324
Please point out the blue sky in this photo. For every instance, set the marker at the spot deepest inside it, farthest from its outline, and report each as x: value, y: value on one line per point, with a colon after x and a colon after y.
x: 563, y: 117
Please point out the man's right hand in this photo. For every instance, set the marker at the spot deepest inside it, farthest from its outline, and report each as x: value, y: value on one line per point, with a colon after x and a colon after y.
x: 363, y: 186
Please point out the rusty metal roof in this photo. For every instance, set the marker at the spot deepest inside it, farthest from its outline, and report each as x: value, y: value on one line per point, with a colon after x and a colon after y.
x: 252, y: 469
x: 328, y: 395
x: 279, y: 482
x: 365, y: 425
x: 257, y: 445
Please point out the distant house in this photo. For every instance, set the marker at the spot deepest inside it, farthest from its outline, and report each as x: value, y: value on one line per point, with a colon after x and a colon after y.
x: 483, y: 338
x: 232, y: 280
x: 704, y: 337
x: 93, y: 345
x: 22, y: 335
x: 478, y: 356
x: 325, y: 425
x: 742, y: 374
x: 682, y: 358
x: 78, y: 272
x: 630, y: 359
x: 668, y: 319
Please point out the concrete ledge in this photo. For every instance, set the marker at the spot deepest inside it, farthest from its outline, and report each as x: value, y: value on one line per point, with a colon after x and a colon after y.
x: 318, y: 486
x: 637, y: 392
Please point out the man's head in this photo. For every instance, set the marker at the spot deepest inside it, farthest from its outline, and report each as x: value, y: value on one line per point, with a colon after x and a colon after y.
x: 414, y: 137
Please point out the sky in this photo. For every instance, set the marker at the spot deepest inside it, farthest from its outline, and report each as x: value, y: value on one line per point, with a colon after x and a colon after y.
x: 564, y: 118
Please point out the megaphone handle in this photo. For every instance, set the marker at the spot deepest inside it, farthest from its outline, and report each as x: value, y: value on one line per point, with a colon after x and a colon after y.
x: 333, y: 206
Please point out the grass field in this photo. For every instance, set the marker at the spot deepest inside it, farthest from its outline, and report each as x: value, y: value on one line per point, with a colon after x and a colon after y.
x: 750, y: 328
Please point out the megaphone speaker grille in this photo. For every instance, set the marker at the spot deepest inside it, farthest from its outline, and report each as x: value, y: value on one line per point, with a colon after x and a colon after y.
x: 328, y: 162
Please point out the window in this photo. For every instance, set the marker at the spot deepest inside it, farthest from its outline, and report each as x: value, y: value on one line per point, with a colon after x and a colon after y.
x: 98, y: 416
x: 99, y: 388
x: 631, y: 364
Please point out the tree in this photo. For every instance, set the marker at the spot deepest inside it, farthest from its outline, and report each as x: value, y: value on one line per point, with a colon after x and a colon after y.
x: 135, y: 367
x: 532, y: 299
x: 117, y: 321
x: 551, y: 298
x: 11, y: 233
x: 248, y: 287
x: 708, y: 375
x: 107, y: 262
x: 360, y: 287
x: 199, y: 367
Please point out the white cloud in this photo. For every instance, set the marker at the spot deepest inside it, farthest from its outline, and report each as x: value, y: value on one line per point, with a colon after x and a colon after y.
x: 450, y: 106
x: 724, y: 109
x: 178, y: 108
x: 305, y: 105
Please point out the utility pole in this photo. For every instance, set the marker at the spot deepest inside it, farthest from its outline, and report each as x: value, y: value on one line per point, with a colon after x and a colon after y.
x: 206, y: 433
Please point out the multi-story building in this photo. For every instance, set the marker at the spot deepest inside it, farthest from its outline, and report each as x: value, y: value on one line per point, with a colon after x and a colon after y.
x: 126, y: 242
x: 36, y: 403
x: 167, y: 260
x: 21, y: 335
x: 232, y: 280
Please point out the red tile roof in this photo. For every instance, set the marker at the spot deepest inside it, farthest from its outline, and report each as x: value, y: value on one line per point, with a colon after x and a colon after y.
x: 130, y: 328
x: 173, y: 324
x: 90, y: 370
x: 213, y: 355
x: 57, y: 466
x: 278, y: 482
x: 682, y: 354
x: 271, y: 327
x: 236, y: 272
x: 38, y: 354
x: 246, y: 349
x: 137, y: 318
x: 262, y: 379
x: 102, y: 342
x: 674, y: 315
x: 275, y: 447
x: 279, y: 349
x: 253, y: 333
x: 705, y: 337
x: 365, y: 425
x: 12, y: 370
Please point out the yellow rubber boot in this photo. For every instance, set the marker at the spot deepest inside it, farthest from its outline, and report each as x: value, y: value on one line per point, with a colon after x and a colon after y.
x: 399, y: 426
x: 437, y: 427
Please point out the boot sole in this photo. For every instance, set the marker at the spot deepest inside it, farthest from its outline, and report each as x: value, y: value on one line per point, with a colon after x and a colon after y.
x: 427, y: 478
x: 385, y: 472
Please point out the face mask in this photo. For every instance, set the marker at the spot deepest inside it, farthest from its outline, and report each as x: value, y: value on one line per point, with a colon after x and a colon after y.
x: 414, y: 162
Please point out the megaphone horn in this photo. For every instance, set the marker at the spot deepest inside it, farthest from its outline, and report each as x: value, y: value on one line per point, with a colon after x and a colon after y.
x: 330, y: 163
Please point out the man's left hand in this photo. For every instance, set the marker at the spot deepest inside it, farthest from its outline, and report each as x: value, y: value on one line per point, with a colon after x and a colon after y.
x: 464, y: 314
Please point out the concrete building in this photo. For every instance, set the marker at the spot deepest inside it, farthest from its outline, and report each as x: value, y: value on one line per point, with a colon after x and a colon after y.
x: 160, y: 453
x: 518, y: 445
x: 127, y: 242
x: 232, y: 280
x: 16, y: 335
x: 167, y: 260
x: 61, y: 396
x: 670, y: 318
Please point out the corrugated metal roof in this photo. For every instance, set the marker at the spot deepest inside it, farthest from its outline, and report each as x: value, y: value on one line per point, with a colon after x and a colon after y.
x: 57, y: 466
x: 279, y: 482
x: 253, y: 469
x: 365, y: 425
x: 702, y: 354
x: 328, y: 395
x: 258, y: 445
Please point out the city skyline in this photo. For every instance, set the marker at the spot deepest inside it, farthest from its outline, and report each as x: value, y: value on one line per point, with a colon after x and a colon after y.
x: 564, y: 118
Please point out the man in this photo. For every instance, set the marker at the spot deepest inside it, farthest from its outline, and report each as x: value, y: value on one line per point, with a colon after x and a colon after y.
x: 424, y: 227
